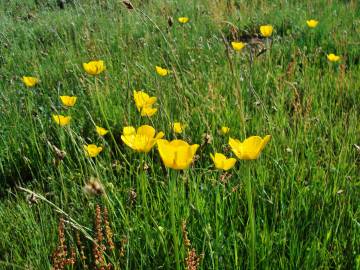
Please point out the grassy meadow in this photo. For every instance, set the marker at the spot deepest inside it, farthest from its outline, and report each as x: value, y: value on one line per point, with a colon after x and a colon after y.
x: 294, y: 207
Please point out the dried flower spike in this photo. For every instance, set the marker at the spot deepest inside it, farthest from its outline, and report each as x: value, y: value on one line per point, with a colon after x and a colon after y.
x: 94, y: 187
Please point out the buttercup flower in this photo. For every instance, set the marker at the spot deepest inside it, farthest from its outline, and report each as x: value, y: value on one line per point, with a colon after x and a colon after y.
x: 144, y: 103
x: 238, y: 46
x: 176, y: 154
x: 94, y: 67
x: 142, y: 140
x: 333, y: 58
x: 68, y: 101
x: 183, y: 19
x: 91, y: 150
x: 250, y: 148
x: 61, y: 120
x: 266, y: 30
x: 30, y: 81
x: 101, y: 131
x: 225, y: 130
x: 178, y: 127
x: 161, y: 71
x: 312, y: 23
x: 221, y: 162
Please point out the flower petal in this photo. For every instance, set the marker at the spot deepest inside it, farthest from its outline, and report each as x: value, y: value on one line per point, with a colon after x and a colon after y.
x: 146, y: 130
x: 229, y: 163
x: 129, y: 130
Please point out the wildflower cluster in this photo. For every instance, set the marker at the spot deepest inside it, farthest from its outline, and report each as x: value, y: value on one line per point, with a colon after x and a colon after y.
x: 266, y: 31
x: 176, y: 154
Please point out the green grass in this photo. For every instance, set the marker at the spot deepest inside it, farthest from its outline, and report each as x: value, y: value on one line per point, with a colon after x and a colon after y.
x: 304, y: 188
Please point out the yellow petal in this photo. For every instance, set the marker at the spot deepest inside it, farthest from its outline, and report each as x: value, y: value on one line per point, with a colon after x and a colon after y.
x: 141, y: 99
x: 101, y: 131
x: 161, y: 71
x: 148, y: 111
x: 68, y: 101
x: 193, y: 149
x: 223, y: 163
x: 265, y: 141
x: 333, y: 58
x: 229, y: 163
x: 159, y: 135
x: 238, y: 46
x: 144, y: 102
x: 151, y: 101
x: 143, y: 143
x: 166, y: 152
x: 182, y: 157
x: 218, y: 160
x: 312, y: 23
x: 235, y: 146
x: 142, y: 140
x: 176, y: 154
x: 61, y: 120
x: 178, y: 143
x: 92, y: 150
x: 251, y: 147
x: 178, y: 127
x: 183, y: 19
x: 94, y: 67
x: 30, y: 81
x: 129, y: 140
x: 266, y: 30
x: 225, y: 130
x: 152, y: 141
x: 129, y: 130
x: 146, y: 130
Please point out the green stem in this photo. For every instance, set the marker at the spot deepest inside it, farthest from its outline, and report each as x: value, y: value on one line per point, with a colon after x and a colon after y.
x: 61, y: 165
x: 251, y: 211
x: 172, y: 191
x: 143, y: 184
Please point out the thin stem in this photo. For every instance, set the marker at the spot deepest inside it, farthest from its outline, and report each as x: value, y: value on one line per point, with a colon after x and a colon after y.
x: 107, y: 122
x: 143, y: 184
x: 238, y: 90
x: 251, y: 211
x: 172, y: 191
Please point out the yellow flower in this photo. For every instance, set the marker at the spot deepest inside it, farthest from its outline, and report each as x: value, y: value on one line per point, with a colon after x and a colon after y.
x: 266, y: 30
x: 30, y: 81
x: 250, y: 148
x: 238, y: 46
x: 183, y: 19
x: 61, y: 120
x: 161, y: 71
x: 333, y: 58
x: 68, y: 101
x: 142, y: 140
x: 221, y: 162
x: 94, y: 67
x: 91, y: 150
x: 101, y: 131
x: 176, y: 154
x: 144, y: 103
x: 178, y: 127
x: 225, y: 130
x: 312, y: 23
